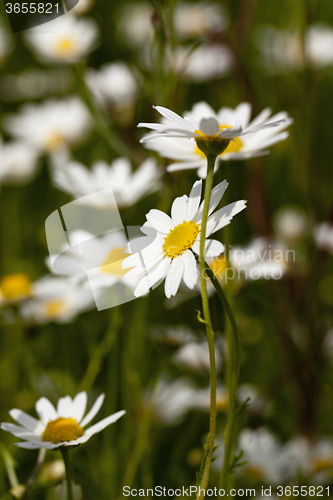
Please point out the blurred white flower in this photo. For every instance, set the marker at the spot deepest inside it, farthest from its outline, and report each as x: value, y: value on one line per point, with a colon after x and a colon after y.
x: 175, y: 137
x: 61, y: 491
x: 291, y: 224
x: 195, y: 20
x: 128, y: 187
x: 18, y: 162
x: 312, y: 457
x: 195, y: 356
x: 135, y: 25
x: 167, y: 249
x: 67, y: 39
x: 6, y: 43
x: 323, y: 236
x: 256, y: 403
x: 56, y: 299
x: 204, y: 63
x: 265, y: 456
x: 114, y: 84
x: 61, y: 426
x: 284, y: 51
x: 51, y: 125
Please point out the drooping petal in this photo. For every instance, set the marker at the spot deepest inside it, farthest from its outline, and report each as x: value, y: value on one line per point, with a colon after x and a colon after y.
x: 93, y: 411
x: 191, y: 271
x: 153, y: 276
x: 17, y: 431
x: 28, y: 422
x: 173, y: 277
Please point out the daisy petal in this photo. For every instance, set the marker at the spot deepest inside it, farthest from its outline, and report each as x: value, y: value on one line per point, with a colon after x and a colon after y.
x: 191, y: 271
x: 64, y: 407
x: 213, y: 248
x: 17, y: 431
x: 194, y: 200
x: 93, y: 411
x: 79, y: 406
x: 223, y: 216
x: 153, y: 276
x: 173, y: 277
x: 160, y: 221
x: 28, y: 422
x: 104, y: 423
x: 179, y: 209
x: 28, y: 445
x: 46, y: 410
x: 174, y: 118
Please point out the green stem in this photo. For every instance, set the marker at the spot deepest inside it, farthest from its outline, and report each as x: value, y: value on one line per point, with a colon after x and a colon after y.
x: 209, y: 329
x: 234, y: 356
x: 69, y: 472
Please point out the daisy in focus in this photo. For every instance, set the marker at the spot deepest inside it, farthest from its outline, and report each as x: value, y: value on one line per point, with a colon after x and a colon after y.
x: 51, y: 125
x: 177, y: 138
x: 58, y: 427
x: 167, y: 250
x: 67, y: 39
x: 128, y: 187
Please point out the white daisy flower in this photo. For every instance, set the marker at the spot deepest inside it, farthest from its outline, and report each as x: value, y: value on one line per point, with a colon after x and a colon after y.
x: 18, y: 162
x: 66, y: 40
x: 51, y: 125
x: 323, y: 236
x: 247, y: 139
x: 56, y: 299
x: 58, y: 427
x: 291, y: 224
x: 312, y: 458
x: 205, y: 63
x: 113, y: 84
x: 195, y: 20
x: 128, y: 187
x: 167, y: 249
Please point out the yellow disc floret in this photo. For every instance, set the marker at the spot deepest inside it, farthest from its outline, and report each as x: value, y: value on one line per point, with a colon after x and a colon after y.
x: 15, y: 286
x: 180, y: 238
x: 62, y: 430
x: 65, y: 47
x: 232, y: 147
x: 112, y: 264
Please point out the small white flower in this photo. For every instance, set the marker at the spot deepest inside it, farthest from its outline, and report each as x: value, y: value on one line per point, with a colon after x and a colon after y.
x: 18, y: 162
x: 135, y: 25
x: 58, y: 427
x: 194, y: 20
x: 312, y: 458
x: 113, y: 84
x: 66, y: 40
x: 205, y: 63
x: 128, y: 187
x: 291, y: 224
x: 167, y: 249
x: 56, y: 299
x: 323, y: 236
x: 195, y: 356
x: 51, y: 125
x: 174, y: 138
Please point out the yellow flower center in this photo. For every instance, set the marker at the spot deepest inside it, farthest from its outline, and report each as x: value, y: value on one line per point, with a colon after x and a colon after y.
x: 53, y: 141
x: 54, y: 308
x: 218, y: 266
x: 15, y: 286
x: 233, y: 146
x: 62, y: 430
x: 113, y: 262
x: 180, y: 239
x: 65, y: 47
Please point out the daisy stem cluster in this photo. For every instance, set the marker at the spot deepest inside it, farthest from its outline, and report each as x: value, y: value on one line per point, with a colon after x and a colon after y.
x: 234, y: 369
x: 69, y: 472
x: 207, y: 320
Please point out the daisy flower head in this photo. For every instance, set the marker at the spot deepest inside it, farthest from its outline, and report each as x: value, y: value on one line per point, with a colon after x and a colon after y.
x: 230, y: 133
x: 67, y: 40
x: 168, y: 247
x: 60, y: 426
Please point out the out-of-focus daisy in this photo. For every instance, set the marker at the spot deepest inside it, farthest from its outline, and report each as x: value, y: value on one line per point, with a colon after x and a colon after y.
x: 66, y: 40
x: 312, y: 458
x: 14, y: 288
x: 166, y: 252
x: 195, y: 356
x: 291, y: 224
x: 135, y: 25
x: 175, y: 137
x: 6, y: 44
x: 57, y: 427
x: 205, y: 63
x: 318, y: 45
x: 195, y: 20
x: 56, y: 299
x: 51, y: 125
x: 323, y: 236
x: 113, y: 85
x: 128, y: 187
x: 18, y: 162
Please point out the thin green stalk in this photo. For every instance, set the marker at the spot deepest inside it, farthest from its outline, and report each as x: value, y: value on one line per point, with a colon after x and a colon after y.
x: 69, y: 472
x: 209, y: 329
x: 234, y: 355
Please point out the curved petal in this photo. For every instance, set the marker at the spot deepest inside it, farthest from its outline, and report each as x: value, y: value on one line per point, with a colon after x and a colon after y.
x: 93, y: 411
x: 46, y: 410
x: 173, y: 277
x: 28, y: 422
x: 79, y: 406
